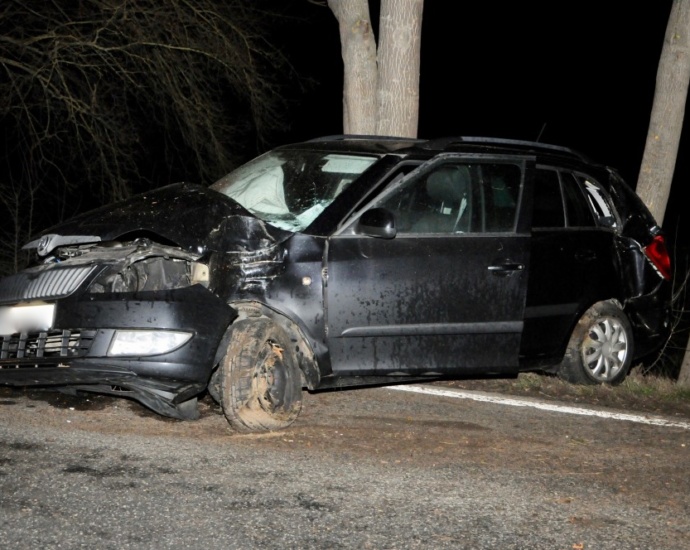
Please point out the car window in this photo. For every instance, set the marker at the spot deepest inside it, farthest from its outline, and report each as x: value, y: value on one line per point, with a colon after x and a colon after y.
x: 548, y: 202
x: 628, y: 204
x: 599, y: 202
x: 290, y: 188
x: 457, y: 198
x: 577, y: 212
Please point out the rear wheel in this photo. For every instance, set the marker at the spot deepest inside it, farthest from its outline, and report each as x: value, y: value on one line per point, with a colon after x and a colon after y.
x: 600, y: 350
x: 260, y: 382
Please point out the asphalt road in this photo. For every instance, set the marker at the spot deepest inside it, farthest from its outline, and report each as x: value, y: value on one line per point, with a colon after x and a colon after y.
x: 372, y: 468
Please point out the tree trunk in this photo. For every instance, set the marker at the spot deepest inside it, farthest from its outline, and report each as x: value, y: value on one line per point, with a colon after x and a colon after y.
x: 684, y: 376
x: 359, y: 59
x: 400, y: 33
x: 668, y: 110
x: 381, y: 90
x: 666, y: 123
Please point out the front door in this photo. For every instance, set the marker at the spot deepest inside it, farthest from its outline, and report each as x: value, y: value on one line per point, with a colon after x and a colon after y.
x: 446, y: 295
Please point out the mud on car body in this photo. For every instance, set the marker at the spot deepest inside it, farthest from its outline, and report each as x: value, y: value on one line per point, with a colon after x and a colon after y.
x: 343, y: 261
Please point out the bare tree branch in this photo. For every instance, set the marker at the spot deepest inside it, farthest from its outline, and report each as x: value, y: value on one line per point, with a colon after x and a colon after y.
x: 102, y: 98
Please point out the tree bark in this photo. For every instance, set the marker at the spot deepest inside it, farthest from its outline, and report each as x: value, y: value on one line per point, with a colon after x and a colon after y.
x: 360, y: 82
x: 400, y: 33
x: 684, y: 376
x: 668, y: 110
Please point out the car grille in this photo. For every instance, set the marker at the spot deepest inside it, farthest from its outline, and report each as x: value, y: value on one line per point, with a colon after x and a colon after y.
x: 44, y: 285
x: 46, y: 345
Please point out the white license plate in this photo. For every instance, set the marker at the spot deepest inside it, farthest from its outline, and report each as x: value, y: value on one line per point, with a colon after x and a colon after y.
x: 26, y: 318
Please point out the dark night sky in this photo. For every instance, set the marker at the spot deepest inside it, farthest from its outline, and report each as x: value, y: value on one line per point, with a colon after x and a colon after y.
x: 583, y: 74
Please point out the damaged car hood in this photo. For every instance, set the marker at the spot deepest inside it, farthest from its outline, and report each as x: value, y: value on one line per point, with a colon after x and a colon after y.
x: 187, y: 215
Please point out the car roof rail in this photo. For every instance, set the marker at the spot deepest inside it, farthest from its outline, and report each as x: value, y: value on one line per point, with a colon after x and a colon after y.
x: 444, y: 143
x: 365, y: 137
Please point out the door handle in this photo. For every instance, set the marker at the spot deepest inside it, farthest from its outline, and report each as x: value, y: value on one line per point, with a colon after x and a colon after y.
x: 506, y: 269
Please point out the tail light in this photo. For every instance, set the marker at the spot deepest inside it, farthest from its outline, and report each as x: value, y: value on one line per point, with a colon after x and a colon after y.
x: 657, y: 254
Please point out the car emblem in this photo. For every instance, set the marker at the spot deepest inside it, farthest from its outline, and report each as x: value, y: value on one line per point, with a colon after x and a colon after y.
x: 45, y: 244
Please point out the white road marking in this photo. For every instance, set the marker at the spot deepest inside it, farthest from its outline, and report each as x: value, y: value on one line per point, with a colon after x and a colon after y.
x: 513, y: 402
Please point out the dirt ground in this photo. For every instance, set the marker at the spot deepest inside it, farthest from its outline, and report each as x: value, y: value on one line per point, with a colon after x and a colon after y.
x: 391, y: 427
x: 586, y: 479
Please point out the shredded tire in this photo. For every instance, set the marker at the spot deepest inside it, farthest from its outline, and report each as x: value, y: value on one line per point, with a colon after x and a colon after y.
x: 260, y: 382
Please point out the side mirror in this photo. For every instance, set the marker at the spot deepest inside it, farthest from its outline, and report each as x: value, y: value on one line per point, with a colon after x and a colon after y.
x: 377, y: 222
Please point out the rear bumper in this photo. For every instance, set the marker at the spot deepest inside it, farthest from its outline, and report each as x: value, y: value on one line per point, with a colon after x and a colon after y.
x: 651, y: 318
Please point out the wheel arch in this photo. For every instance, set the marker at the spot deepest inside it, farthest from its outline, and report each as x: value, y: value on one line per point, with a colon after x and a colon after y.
x: 552, y: 363
x: 574, y: 366
x: 306, y: 359
x: 587, y: 306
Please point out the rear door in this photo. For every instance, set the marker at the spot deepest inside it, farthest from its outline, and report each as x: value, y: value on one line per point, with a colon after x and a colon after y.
x: 447, y: 293
x: 572, y: 259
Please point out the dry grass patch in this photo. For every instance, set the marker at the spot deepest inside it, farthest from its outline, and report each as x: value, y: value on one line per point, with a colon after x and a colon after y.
x: 638, y: 392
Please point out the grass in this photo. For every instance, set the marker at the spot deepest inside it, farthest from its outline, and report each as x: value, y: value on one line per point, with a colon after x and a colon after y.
x: 639, y: 392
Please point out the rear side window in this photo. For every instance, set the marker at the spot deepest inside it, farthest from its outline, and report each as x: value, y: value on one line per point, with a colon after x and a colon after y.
x: 576, y: 208
x: 564, y: 199
x: 548, y: 202
x: 599, y: 202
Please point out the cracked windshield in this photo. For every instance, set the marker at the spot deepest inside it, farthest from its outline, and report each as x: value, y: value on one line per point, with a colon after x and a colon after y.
x: 289, y: 189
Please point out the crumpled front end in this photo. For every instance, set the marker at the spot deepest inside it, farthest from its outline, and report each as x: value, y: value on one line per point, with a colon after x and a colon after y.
x: 134, y: 319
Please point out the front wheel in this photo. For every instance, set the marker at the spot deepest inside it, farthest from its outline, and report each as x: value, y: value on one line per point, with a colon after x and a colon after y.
x: 600, y: 350
x: 260, y: 382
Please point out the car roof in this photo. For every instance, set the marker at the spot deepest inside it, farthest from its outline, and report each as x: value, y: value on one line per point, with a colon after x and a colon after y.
x: 430, y: 147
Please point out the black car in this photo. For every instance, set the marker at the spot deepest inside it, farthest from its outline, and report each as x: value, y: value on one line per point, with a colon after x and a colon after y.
x: 343, y: 261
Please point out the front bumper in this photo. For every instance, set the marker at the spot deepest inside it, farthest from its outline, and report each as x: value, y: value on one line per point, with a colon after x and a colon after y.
x: 74, y: 351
